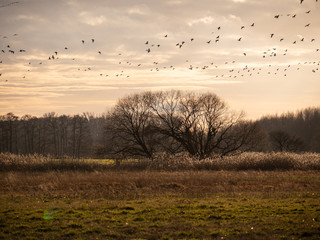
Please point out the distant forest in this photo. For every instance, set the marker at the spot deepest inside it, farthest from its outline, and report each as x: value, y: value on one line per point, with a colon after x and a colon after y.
x: 89, y: 136
x: 302, y: 127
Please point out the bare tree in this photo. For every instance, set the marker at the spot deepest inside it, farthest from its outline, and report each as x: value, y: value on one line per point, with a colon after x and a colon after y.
x: 9, y: 133
x: 28, y: 126
x: 284, y: 142
x: 172, y: 121
x: 201, y: 123
x: 244, y: 136
x: 129, y: 126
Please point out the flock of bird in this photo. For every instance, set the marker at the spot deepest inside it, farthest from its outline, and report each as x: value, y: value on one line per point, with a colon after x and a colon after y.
x: 227, y: 69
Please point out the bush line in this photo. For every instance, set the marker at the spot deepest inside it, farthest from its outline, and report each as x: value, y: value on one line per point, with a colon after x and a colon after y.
x: 273, y: 161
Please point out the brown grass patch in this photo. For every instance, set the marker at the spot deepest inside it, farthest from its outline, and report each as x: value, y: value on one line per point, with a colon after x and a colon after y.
x: 133, y: 184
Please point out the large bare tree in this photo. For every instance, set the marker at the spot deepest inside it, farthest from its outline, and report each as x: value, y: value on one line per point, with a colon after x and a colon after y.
x: 200, y: 124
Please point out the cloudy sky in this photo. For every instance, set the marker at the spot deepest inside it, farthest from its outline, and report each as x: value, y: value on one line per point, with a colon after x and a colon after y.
x: 74, y: 56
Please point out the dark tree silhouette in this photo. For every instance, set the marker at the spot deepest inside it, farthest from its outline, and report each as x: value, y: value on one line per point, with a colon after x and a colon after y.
x: 284, y: 142
x: 130, y: 126
x: 202, y: 123
x: 303, y: 124
x: 199, y: 124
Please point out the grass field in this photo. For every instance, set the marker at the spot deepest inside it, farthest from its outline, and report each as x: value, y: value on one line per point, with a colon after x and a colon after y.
x: 160, y: 205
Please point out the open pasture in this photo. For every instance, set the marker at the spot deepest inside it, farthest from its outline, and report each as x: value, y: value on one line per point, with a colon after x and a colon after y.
x: 160, y: 205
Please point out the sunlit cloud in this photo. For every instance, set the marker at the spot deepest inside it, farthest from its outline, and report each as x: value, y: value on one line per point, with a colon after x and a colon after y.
x: 86, y: 18
x: 138, y: 10
x: 31, y: 18
x: 204, y: 20
x: 239, y: 1
x: 174, y: 2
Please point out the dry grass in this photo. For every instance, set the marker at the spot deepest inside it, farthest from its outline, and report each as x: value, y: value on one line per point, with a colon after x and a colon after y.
x: 246, y: 161
x: 165, y: 162
x: 120, y: 184
x: 40, y: 163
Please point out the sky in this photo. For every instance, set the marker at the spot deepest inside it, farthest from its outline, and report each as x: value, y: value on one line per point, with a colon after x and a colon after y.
x: 74, y: 56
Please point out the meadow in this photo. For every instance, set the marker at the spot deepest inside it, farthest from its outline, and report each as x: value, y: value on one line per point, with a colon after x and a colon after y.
x: 167, y: 198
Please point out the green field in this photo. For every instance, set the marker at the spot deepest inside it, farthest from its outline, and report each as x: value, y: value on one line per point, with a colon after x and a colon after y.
x: 168, y: 217
x: 160, y: 205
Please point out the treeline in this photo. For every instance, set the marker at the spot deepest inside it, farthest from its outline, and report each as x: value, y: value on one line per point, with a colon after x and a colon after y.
x: 75, y: 136
x: 145, y: 124
x: 299, y: 131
